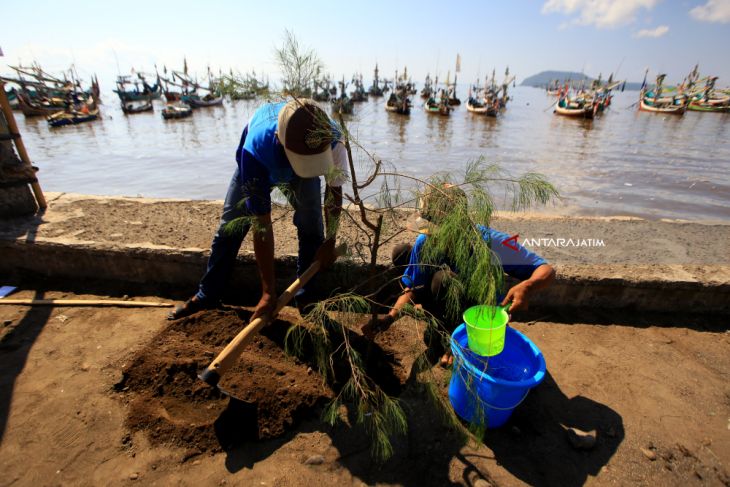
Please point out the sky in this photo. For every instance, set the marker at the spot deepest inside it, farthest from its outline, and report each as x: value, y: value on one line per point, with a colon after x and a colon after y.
x: 594, y: 36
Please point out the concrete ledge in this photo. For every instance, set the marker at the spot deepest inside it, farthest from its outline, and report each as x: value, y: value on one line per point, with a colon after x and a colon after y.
x: 163, y: 269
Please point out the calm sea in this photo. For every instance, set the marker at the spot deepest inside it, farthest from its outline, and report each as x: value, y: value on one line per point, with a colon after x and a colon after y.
x: 623, y: 163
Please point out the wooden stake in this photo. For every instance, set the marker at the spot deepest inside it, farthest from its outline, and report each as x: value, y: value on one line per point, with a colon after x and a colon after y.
x: 85, y: 302
x: 13, y: 127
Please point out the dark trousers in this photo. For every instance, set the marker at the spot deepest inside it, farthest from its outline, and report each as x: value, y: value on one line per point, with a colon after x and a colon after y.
x: 305, y: 197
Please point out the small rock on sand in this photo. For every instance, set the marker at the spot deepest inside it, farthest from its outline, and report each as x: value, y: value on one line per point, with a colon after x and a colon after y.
x: 650, y: 454
x: 581, y: 440
x: 314, y: 460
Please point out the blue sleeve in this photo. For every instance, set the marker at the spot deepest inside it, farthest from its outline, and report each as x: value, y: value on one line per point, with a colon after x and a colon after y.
x: 254, y: 180
x: 415, y: 274
x: 517, y: 261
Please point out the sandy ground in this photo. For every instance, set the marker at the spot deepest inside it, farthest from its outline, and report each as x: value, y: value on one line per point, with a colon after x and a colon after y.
x: 656, y: 389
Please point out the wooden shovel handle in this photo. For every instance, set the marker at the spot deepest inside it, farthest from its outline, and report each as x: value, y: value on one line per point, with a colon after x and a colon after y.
x: 233, y: 350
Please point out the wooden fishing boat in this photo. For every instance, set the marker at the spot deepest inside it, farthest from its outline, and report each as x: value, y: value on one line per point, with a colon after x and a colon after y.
x: 646, y: 105
x: 398, y: 104
x: 428, y: 88
x: 359, y: 95
x: 148, y: 92
x: 207, y: 101
x: 72, y: 118
x: 712, y: 105
x: 710, y: 99
x: 130, y: 109
x: 39, y: 108
x: 176, y: 111
x: 171, y: 96
x: 580, y: 109
x: 375, y: 89
x: 652, y: 100
x: 699, y: 106
x: 343, y: 105
x: 474, y: 105
x: 437, y: 107
x: 483, y: 107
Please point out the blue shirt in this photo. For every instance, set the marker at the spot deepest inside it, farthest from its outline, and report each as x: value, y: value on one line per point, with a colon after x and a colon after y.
x: 262, y: 162
x: 520, y: 263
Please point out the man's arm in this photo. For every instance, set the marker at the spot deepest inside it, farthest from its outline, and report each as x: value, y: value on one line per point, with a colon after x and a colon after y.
x: 263, y: 245
x: 519, y: 294
x: 383, y: 322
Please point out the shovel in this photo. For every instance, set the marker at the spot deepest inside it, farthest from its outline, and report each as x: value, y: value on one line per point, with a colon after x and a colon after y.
x: 213, y: 373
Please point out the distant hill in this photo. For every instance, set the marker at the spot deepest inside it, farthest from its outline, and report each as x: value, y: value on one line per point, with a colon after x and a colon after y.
x: 540, y: 80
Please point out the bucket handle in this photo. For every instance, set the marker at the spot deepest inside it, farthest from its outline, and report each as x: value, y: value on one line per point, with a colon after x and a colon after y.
x: 507, y: 409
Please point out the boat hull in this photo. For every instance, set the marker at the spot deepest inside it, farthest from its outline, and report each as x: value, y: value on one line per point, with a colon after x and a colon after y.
x: 174, y: 112
x: 130, y: 110
x: 31, y: 109
x: 126, y: 96
x: 586, y: 112
x: 61, y: 120
x: 202, y: 103
x: 707, y: 107
x: 668, y: 110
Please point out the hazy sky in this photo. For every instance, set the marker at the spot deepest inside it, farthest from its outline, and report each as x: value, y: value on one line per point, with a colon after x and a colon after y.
x: 530, y: 36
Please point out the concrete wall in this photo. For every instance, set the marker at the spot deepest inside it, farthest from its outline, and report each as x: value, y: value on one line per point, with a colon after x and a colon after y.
x: 176, y: 273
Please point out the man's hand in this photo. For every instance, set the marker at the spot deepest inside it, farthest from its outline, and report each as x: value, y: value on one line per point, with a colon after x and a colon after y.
x: 373, y: 327
x: 326, y: 254
x: 518, y: 296
x: 266, y: 306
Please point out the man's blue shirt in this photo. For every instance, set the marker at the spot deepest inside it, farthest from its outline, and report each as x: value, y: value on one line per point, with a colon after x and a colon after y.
x: 520, y: 263
x: 262, y: 162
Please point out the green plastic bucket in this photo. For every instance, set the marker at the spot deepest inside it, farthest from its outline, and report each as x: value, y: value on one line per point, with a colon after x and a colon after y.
x: 485, y: 328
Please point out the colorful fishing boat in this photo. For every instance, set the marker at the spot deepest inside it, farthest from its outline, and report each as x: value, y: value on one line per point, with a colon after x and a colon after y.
x: 428, y: 87
x: 652, y: 100
x: 647, y: 105
x: 398, y: 102
x: 438, y: 107
x: 42, y: 107
x: 208, y: 100
x: 178, y: 110
x: 581, y: 105
x: 73, y: 117
x: 578, y: 110
x: 148, y: 92
x: 343, y: 104
x: 131, y: 108
x: 710, y: 100
x: 359, y: 95
x: 375, y: 89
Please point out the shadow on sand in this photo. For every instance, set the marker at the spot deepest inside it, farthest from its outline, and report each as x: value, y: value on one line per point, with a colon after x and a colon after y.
x: 15, y: 346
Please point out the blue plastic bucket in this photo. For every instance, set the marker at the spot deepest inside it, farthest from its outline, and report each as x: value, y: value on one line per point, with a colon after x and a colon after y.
x: 485, y: 390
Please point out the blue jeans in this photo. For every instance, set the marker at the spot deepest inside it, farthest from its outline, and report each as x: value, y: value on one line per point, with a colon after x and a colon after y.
x: 305, y: 197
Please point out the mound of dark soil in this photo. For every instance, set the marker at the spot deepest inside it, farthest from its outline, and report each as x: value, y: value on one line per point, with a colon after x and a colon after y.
x: 170, y: 403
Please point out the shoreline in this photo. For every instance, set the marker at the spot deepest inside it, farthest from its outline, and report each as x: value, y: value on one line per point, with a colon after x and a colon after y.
x: 163, y: 244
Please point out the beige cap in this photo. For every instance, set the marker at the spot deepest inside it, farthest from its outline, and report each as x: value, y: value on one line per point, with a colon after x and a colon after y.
x: 303, y: 131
